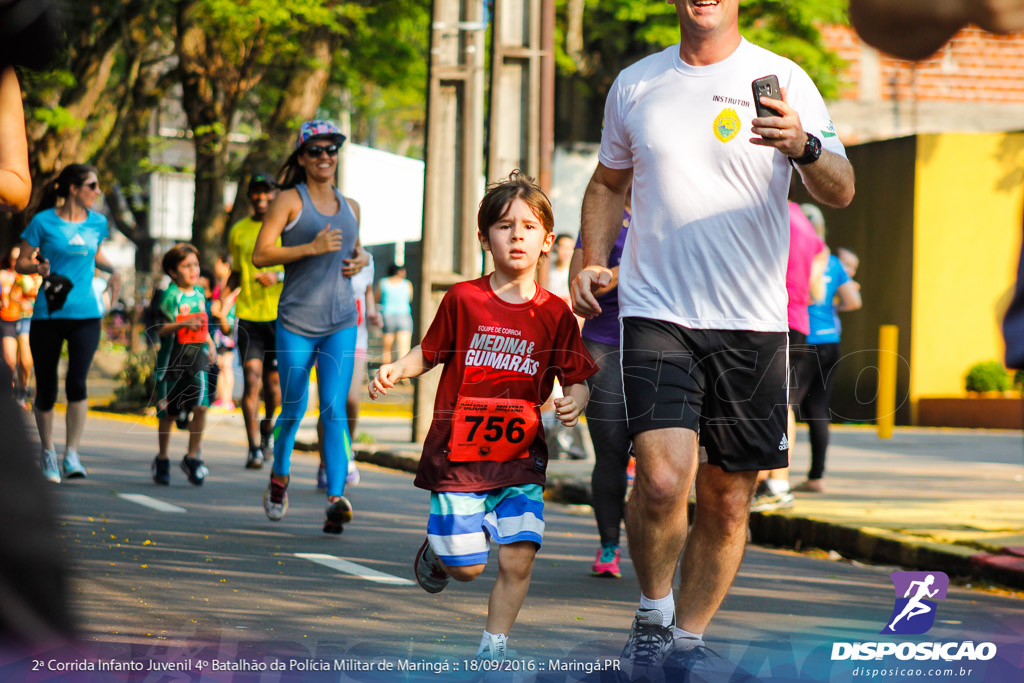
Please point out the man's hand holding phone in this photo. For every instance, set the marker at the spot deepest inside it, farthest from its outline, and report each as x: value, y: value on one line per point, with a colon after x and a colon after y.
x: 777, y: 124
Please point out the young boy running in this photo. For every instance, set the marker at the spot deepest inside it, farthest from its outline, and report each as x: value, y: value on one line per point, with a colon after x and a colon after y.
x: 186, y: 349
x: 502, y: 340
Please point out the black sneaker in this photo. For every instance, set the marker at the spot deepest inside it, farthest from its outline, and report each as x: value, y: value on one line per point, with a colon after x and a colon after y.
x: 195, y: 469
x: 254, y: 461
x: 161, y: 469
x: 339, y: 513
x: 647, y: 646
x: 701, y: 664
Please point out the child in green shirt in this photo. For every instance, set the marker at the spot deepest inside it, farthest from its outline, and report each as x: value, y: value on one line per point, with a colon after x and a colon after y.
x: 186, y: 348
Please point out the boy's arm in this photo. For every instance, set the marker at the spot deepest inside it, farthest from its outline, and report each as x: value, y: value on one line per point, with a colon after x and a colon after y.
x: 572, y: 404
x: 412, y: 364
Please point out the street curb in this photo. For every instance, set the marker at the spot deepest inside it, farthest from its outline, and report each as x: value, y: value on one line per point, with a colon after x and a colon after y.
x: 787, y: 530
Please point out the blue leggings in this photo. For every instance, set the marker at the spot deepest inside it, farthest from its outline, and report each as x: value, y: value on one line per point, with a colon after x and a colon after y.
x: 334, y: 356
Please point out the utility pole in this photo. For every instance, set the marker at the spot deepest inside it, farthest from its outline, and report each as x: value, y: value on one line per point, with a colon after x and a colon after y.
x: 520, y: 135
x: 454, y: 168
x: 521, y: 126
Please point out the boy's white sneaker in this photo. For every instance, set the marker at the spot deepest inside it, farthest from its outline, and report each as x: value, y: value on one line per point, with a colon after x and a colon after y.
x: 493, y: 647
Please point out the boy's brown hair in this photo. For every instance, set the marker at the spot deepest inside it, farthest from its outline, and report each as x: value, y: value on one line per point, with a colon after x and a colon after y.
x: 175, y: 255
x: 499, y: 195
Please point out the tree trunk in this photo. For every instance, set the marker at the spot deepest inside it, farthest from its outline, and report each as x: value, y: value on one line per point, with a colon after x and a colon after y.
x: 209, y: 217
x: 299, y: 99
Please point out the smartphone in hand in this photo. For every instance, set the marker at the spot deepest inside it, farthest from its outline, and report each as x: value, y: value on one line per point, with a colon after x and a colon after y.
x: 767, y: 86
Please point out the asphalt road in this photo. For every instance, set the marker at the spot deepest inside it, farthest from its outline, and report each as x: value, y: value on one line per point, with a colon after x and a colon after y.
x: 216, y: 581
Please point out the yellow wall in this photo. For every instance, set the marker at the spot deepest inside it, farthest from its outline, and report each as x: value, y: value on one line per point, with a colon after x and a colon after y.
x: 967, y: 235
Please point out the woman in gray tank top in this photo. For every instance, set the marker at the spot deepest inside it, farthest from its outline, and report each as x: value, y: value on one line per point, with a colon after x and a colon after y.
x: 316, y: 319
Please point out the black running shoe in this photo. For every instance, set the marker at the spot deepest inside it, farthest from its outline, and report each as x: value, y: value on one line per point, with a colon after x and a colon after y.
x: 647, y: 646
x: 339, y: 513
x: 701, y: 664
x: 161, y: 469
x: 254, y: 461
x: 195, y: 469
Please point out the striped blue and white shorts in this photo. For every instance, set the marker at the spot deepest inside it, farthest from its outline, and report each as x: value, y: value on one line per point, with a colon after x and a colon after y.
x: 462, y: 525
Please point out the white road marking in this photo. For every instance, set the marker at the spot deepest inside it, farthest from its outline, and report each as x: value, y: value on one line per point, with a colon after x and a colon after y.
x: 359, y: 570
x: 148, y: 502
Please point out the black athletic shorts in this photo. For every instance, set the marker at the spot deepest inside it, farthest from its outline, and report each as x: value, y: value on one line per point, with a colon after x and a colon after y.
x: 258, y: 341
x: 729, y: 386
x: 803, y: 366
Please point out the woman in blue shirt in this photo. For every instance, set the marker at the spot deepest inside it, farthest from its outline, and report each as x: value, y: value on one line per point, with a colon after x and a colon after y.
x: 64, y: 239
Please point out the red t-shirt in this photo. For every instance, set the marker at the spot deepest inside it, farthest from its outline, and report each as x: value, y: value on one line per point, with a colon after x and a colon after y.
x: 500, y: 362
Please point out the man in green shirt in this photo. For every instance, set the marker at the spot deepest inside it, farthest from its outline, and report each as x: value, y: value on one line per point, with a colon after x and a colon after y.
x: 256, y: 308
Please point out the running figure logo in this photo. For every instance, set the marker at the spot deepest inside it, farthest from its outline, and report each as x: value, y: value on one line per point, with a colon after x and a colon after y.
x: 914, y: 612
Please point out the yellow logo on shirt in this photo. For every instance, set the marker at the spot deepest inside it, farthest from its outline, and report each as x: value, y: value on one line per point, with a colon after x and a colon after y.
x: 727, y: 125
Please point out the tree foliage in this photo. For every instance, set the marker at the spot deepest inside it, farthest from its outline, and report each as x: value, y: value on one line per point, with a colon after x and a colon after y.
x: 256, y: 68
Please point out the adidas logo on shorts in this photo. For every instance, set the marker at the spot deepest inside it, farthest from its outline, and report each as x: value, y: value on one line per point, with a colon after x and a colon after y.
x: 784, y: 444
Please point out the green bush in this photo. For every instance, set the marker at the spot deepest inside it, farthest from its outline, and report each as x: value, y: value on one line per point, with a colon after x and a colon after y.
x: 1018, y: 380
x: 136, y: 382
x: 988, y: 376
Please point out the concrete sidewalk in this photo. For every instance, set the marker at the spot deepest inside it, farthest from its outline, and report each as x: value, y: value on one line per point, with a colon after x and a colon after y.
x: 928, y: 499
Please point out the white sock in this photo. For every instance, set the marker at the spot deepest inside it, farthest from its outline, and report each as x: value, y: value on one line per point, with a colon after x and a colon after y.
x: 778, y: 486
x: 667, y: 605
x: 685, y: 640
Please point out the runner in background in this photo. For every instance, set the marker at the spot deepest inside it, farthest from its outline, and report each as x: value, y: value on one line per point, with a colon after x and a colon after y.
x: 394, y: 294
x: 558, y: 273
x: 502, y: 340
x: 256, y: 310
x: 29, y: 286
x: 10, y: 315
x: 606, y: 412
x: 808, y: 257
x: 318, y: 232
x: 841, y: 293
x: 186, y: 351
x: 223, y: 329
x: 62, y: 244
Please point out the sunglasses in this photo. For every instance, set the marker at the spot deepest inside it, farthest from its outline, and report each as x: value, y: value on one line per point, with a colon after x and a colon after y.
x: 94, y: 185
x: 317, y: 150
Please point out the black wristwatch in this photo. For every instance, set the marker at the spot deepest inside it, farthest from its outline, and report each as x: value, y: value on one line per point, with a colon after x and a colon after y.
x: 812, y: 150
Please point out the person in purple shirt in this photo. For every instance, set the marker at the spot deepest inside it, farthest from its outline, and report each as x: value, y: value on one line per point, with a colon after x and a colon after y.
x: 606, y: 412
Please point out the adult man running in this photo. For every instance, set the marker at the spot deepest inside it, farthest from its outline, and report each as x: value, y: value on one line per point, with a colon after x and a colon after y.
x: 702, y: 295
x: 256, y: 309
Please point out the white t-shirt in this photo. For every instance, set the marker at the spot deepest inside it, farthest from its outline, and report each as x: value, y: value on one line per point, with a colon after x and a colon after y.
x: 709, y: 239
x: 362, y: 280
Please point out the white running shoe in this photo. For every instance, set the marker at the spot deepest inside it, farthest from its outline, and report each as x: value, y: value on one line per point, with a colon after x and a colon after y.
x: 48, y: 463
x: 353, y: 472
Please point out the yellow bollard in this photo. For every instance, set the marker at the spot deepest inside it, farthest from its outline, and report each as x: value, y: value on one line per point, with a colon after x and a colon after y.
x: 885, y: 403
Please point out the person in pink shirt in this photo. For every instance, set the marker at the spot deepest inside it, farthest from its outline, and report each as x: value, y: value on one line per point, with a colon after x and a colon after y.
x: 808, y: 257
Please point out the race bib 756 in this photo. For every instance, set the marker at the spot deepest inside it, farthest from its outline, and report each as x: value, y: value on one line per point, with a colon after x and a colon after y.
x: 497, y: 429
